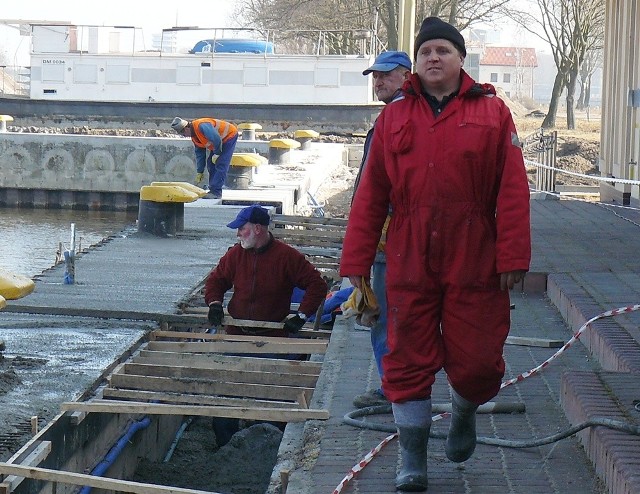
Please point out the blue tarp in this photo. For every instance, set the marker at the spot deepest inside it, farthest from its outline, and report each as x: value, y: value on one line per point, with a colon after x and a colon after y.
x: 232, y: 46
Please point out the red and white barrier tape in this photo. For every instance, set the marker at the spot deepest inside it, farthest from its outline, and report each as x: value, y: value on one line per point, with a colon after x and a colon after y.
x: 582, y: 175
x: 535, y: 370
x: 363, y: 463
x: 370, y: 455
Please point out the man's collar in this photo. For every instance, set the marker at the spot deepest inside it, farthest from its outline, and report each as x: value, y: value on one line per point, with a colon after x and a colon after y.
x: 260, y: 250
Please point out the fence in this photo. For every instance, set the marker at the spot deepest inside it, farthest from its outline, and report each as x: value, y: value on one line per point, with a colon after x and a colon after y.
x: 545, y: 146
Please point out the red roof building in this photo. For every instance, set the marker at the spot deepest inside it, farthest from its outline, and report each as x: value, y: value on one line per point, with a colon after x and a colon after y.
x: 510, y: 68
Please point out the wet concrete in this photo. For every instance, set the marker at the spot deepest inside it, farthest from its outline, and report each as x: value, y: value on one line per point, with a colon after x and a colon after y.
x: 61, y: 339
x: 136, y: 273
x: 51, y: 359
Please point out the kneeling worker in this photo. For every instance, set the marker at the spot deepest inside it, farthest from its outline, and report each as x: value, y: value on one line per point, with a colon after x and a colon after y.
x: 263, y: 271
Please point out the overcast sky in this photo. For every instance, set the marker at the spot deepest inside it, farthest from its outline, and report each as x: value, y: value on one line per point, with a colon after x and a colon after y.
x: 150, y: 15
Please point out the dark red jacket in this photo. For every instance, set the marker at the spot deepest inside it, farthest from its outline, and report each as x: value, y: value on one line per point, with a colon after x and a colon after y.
x: 263, y: 281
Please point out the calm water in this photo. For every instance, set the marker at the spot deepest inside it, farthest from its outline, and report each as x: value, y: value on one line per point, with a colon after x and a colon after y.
x: 29, y: 238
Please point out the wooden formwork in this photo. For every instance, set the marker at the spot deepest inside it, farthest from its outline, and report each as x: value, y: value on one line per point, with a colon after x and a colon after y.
x: 173, y: 375
x: 215, y: 375
x: 320, y: 239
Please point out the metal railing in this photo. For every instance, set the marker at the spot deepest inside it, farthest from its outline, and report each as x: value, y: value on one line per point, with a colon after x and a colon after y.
x: 545, y: 146
x: 360, y: 42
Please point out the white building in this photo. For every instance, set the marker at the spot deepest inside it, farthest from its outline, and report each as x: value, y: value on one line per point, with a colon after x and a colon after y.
x: 110, y: 64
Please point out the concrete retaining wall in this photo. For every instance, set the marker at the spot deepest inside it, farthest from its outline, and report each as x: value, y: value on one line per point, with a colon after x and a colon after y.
x: 92, y: 172
x: 92, y: 163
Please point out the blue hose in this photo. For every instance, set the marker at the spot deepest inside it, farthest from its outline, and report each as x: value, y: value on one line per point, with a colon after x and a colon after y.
x: 115, y: 451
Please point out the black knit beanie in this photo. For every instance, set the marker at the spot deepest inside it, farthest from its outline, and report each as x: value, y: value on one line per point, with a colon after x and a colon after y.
x: 434, y: 28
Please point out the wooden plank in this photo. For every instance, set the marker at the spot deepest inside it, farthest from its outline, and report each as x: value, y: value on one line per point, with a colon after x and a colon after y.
x: 292, y: 346
x: 302, y: 242
x: 305, y: 234
x: 207, y: 387
x: 277, y: 415
x: 234, y: 376
x: 310, y: 232
x: 216, y: 361
x: 320, y: 252
x: 187, y: 335
x: 236, y: 322
x: 302, y: 400
x: 73, y: 478
x: 228, y: 320
x: 308, y: 220
x: 310, y: 238
x: 35, y: 457
x: 326, y: 265
x: 192, y: 335
x: 190, y: 399
x: 540, y: 342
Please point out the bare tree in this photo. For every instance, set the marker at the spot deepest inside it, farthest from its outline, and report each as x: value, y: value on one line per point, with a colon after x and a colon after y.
x: 592, y: 61
x: 572, y: 28
x: 380, y: 16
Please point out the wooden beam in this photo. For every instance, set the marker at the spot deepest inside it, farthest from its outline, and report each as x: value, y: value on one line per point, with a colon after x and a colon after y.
x: 92, y: 481
x: 307, y: 331
x: 190, y: 399
x: 321, y: 252
x: 334, y: 236
x: 299, y: 242
x: 292, y: 346
x: 208, y: 387
x: 35, y: 457
x: 200, y: 314
x: 302, y: 400
x: 307, y: 220
x: 219, y: 361
x: 541, y: 342
x: 232, y: 376
x: 276, y: 415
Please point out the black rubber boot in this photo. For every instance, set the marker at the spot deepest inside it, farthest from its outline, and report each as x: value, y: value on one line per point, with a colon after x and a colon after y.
x: 461, y: 440
x: 413, y: 449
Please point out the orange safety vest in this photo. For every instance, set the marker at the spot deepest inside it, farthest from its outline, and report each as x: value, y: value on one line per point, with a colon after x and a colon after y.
x: 225, y: 129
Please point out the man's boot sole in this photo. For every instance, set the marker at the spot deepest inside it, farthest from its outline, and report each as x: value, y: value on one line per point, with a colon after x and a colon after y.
x: 416, y: 483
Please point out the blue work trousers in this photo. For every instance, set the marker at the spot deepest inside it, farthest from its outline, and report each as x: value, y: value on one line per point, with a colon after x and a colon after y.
x: 379, y: 329
x: 218, y: 170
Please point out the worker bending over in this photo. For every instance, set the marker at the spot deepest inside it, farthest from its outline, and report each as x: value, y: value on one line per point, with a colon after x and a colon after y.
x: 219, y: 138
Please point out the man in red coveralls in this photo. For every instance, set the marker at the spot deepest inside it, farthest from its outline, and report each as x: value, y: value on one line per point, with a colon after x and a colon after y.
x: 446, y: 157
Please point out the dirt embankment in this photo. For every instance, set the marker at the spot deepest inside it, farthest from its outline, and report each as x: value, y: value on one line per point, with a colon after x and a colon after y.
x: 577, y: 152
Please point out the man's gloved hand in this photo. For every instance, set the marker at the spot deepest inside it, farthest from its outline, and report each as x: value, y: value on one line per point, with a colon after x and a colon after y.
x: 295, y: 323
x: 216, y: 313
x: 214, y: 158
x: 199, y: 178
